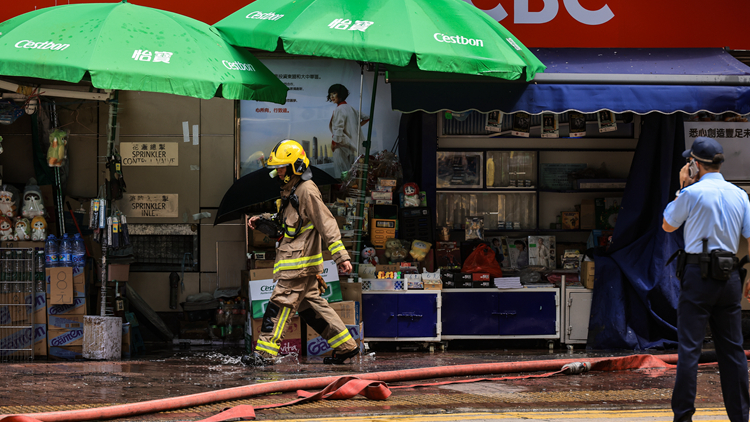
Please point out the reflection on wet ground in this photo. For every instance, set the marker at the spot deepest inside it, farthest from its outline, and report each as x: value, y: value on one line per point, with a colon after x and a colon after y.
x: 47, y: 386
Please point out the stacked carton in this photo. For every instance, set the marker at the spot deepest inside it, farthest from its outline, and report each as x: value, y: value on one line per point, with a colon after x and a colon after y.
x: 260, y: 288
x: 66, y: 306
x: 348, y: 311
x: 13, y: 315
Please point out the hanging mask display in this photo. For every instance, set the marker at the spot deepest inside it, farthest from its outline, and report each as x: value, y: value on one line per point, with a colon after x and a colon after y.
x: 38, y: 228
x: 8, y: 200
x: 57, y: 152
x: 23, y: 229
x: 32, y: 200
x: 6, y: 228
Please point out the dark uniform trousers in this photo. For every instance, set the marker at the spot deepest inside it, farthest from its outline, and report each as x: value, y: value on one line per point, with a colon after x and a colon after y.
x: 718, y: 303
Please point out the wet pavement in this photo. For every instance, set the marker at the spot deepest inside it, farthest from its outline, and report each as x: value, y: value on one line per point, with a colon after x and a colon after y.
x: 55, y: 386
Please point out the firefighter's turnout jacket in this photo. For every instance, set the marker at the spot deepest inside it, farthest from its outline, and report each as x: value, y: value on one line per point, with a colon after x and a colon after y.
x: 298, y: 260
x: 301, y: 256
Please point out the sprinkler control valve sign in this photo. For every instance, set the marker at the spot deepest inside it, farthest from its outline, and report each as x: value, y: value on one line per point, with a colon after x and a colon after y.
x: 151, y: 204
x: 149, y: 153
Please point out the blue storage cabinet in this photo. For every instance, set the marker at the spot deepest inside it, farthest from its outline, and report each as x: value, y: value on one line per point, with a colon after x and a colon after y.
x: 401, y: 315
x: 493, y: 313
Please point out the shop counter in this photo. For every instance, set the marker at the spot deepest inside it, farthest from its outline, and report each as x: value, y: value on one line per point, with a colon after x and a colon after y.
x: 501, y: 313
x: 402, y: 315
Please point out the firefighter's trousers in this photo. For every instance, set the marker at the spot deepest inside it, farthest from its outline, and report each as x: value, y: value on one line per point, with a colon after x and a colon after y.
x: 301, y: 295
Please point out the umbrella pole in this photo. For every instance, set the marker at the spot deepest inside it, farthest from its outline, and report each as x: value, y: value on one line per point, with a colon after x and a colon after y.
x: 110, y: 148
x: 363, y: 183
x: 361, y: 86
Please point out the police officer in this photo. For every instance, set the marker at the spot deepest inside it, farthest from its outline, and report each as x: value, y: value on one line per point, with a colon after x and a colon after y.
x: 305, y: 221
x: 718, y: 211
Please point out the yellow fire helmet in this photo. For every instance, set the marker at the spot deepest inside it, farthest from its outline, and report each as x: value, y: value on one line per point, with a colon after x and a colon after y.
x: 289, y: 152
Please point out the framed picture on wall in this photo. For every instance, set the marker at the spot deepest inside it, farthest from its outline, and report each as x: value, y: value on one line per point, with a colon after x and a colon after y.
x: 459, y: 169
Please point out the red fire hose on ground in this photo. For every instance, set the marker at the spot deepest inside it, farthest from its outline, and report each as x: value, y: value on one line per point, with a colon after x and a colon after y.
x: 373, y: 386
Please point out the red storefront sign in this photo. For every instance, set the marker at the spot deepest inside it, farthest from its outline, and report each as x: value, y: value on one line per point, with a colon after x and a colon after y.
x: 549, y: 23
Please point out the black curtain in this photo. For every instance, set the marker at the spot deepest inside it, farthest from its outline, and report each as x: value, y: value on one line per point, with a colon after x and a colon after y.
x: 410, y: 147
x: 635, y: 295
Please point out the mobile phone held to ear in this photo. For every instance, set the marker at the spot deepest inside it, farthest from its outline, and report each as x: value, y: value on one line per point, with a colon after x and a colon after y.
x: 692, y: 169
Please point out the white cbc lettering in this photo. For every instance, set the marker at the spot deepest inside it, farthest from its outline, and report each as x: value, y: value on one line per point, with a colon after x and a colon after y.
x: 457, y: 39
x: 238, y: 66
x: 588, y: 17
x: 549, y: 12
x: 270, y: 16
x: 44, y: 45
x: 523, y: 15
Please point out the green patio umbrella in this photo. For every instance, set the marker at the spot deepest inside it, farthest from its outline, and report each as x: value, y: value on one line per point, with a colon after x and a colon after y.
x: 122, y: 46
x: 439, y: 35
x: 444, y: 35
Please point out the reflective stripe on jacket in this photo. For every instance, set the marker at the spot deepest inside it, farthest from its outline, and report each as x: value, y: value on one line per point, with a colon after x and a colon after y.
x: 302, y: 255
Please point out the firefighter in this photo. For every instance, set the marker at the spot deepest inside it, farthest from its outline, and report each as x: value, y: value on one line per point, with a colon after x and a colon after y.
x: 304, y: 221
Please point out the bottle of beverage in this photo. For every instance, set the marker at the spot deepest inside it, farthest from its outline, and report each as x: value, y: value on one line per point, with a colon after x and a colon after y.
x: 79, y: 252
x: 51, y: 249
x: 66, y: 251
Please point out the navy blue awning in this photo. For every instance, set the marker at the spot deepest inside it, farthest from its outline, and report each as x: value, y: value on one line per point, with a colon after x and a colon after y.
x: 589, y: 80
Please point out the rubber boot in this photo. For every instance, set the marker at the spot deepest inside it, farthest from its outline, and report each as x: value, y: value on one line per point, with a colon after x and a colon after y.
x: 255, y: 360
x: 340, y: 358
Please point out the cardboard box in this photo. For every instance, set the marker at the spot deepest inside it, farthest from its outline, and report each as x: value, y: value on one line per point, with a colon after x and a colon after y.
x: 318, y: 346
x: 433, y: 286
x: 65, y: 353
x: 449, y: 279
x: 588, y: 214
x: 351, y: 291
x: 77, y: 308
x: 482, y: 284
x: 79, y: 282
x: 58, y: 337
x: 570, y: 220
x: 290, y: 343
x: 258, y: 264
x: 14, y: 309
x: 118, y: 272
x: 261, y: 240
x: 15, y: 340
x: 348, y: 312
x: 261, y: 290
x: 63, y: 322
x: 587, y: 274
x: 261, y: 274
x: 386, y: 181
x: 480, y: 277
x: 60, y: 281
x: 388, y: 196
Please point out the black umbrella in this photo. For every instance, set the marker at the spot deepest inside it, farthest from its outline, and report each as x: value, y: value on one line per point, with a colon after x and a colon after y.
x: 256, y: 187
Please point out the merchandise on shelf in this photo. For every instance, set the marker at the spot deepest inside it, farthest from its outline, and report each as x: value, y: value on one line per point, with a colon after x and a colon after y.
x: 419, y: 250
x: 542, y: 251
x: 33, y: 205
x: 395, y: 250
x: 23, y: 229
x: 8, y: 201
x: 570, y: 220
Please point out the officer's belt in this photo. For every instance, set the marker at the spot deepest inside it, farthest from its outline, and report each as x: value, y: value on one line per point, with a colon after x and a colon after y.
x: 693, y: 258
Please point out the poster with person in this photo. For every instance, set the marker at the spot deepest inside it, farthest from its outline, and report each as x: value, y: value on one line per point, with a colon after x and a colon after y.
x: 321, y: 113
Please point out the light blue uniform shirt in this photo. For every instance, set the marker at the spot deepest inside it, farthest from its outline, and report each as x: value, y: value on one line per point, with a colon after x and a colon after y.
x: 712, y: 208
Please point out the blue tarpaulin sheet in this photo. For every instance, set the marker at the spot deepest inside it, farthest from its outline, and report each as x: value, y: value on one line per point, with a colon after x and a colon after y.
x: 635, y: 296
x: 708, y: 76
